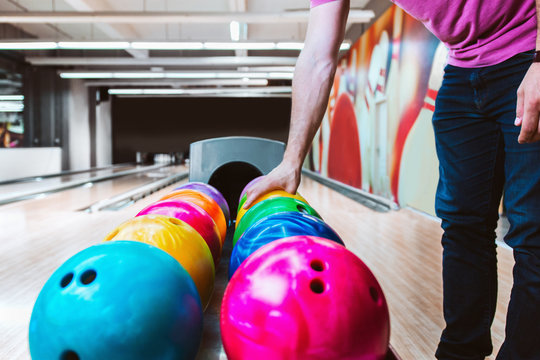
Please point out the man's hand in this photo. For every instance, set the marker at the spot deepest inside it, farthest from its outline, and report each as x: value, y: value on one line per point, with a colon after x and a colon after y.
x: 284, y: 177
x: 528, y: 106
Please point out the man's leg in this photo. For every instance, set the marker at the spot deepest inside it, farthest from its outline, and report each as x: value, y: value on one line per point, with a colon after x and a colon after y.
x: 471, y: 157
x: 522, y: 202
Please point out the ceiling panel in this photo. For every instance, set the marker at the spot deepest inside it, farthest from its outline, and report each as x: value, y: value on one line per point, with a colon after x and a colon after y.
x: 172, y: 5
x: 292, y: 32
x: 163, y: 32
x: 272, y: 32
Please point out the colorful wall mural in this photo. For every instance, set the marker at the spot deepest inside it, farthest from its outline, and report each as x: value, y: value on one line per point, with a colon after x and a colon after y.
x: 376, y: 134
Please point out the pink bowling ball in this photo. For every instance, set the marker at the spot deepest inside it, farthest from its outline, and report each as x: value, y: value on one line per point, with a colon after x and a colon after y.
x: 192, y: 215
x: 304, y: 298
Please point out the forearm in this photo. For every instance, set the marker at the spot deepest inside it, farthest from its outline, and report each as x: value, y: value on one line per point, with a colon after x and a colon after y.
x: 313, y: 77
x: 311, y: 87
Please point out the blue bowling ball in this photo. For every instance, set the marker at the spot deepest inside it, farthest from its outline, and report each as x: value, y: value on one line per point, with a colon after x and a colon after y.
x: 119, y: 300
x: 275, y: 227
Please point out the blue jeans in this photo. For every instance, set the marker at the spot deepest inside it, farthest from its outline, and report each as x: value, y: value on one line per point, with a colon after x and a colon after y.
x: 480, y: 158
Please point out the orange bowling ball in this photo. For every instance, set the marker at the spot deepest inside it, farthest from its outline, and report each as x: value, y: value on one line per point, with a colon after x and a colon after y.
x: 179, y: 240
x: 207, y: 203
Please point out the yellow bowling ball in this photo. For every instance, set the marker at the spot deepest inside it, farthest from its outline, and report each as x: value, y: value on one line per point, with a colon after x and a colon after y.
x: 179, y: 240
x: 269, y: 195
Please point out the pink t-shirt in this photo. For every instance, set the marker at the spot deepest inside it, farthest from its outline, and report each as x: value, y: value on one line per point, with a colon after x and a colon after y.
x: 477, y: 32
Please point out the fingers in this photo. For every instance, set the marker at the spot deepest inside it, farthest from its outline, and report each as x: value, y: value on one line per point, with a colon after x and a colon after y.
x: 283, y: 177
x: 253, y: 193
x: 265, y: 185
x: 529, y: 125
x: 528, y: 106
x: 519, y: 107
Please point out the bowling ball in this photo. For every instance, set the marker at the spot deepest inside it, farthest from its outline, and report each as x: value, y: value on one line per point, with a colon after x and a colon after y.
x: 212, y: 192
x: 122, y: 300
x: 269, y: 207
x: 252, y: 182
x: 206, y: 203
x: 192, y: 215
x: 304, y: 298
x: 275, y: 227
x: 178, y: 239
x: 269, y: 195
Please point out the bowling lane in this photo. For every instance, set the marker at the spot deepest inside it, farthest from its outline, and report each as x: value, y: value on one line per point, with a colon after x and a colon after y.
x: 83, y: 196
x: 37, y: 235
x: 403, y: 250
x: 47, y: 184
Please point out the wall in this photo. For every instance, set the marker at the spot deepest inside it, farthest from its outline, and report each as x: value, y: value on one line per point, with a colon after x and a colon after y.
x: 167, y: 124
x: 78, y: 125
x: 23, y: 162
x: 376, y: 134
x: 45, y: 114
x: 103, y: 134
x: 63, y: 114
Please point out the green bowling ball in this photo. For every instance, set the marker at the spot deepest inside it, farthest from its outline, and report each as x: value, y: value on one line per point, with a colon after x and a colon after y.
x: 269, y: 207
x: 241, y: 203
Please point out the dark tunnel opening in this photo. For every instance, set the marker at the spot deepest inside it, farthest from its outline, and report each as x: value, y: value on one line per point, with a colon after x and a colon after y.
x: 231, y: 178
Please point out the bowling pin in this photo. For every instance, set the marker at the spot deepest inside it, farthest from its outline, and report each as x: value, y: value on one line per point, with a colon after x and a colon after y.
x: 351, y: 74
x: 418, y: 174
x: 392, y: 85
x: 343, y: 76
x: 379, y: 178
x: 325, y: 143
x: 315, y: 150
x: 325, y: 125
x: 365, y: 108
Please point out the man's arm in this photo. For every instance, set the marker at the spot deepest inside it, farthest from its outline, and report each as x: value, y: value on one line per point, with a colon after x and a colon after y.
x: 528, y: 103
x: 313, y: 77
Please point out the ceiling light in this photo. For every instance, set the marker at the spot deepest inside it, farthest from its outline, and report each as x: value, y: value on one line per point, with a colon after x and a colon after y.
x: 161, y: 17
x: 87, y: 75
x: 239, y: 45
x: 191, y: 75
x: 176, y: 75
x: 125, y: 91
x: 280, y: 75
x: 94, y: 45
x: 289, y: 45
x: 234, y: 28
x: 138, y: 75
x: 11, y: 106
x: 167, y: 45
x: 267, y: 68
x: 207, y: 91
x: 176, y: 83
x: 241, y: 75
x: 11, y: 97
x: 28, y: 45
x: 155, y: 45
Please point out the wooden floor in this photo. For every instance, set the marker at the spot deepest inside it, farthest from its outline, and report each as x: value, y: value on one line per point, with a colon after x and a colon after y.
x: 402, y: 248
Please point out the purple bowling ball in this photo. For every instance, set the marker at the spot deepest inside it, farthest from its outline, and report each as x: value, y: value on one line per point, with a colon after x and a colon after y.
x: 252, y: 182
x: 213, y: 193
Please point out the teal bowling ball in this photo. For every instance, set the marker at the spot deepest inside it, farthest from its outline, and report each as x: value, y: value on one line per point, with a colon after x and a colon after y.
x: 119, y: 300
